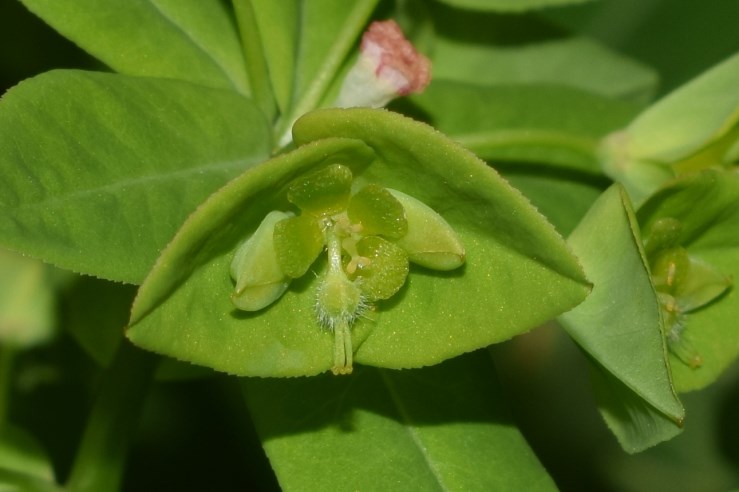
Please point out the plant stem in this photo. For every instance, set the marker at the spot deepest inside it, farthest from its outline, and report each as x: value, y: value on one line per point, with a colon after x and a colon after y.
x: 256, y: 64
x: 484, y: 143
x: 7, y: 354
x: 341, y: 47
x: 101, y: 457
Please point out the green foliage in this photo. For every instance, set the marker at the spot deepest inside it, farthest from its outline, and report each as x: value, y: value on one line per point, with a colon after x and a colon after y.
x: 620, y: 328
x: 187, y: 40
x: 509, y: 5
x: 531, y: 260
x: 312, y: 430
x: 710, y: 233
x: 144, y: 153
x: 494, y: 49
x: 224, y: 214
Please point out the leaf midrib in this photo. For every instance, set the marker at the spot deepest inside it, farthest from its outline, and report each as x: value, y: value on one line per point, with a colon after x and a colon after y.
x: 407, y: 422
x: 111, y: 188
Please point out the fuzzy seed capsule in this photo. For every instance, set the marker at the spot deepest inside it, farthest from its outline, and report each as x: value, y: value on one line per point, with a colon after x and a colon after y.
x: 430, y: 241
x: 259, y: 278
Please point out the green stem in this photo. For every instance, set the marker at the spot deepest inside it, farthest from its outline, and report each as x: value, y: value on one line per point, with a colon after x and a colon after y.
x: 101, y: 457
x: 343, y: 358
x: 7, y: 354
x: 254, y: 56
x: 484, y: 143
x: 342, y: 45
x: 341, y: 325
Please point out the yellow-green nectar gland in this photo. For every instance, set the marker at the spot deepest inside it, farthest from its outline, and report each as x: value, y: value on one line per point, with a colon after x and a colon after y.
x: 339, y: 301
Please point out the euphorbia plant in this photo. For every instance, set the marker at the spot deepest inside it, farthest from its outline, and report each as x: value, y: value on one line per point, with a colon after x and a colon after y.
x: 275, y: 222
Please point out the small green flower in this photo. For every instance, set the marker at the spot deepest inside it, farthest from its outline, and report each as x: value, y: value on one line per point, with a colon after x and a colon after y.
x: 683, y: 284
x: 349, y: 253
x: 369, y: 238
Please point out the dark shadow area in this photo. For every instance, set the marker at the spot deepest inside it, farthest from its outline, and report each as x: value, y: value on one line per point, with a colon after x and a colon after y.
x: 30, y: 47
x: 477, y: 27
x: 545, y: 380
x: 196, y: 435
x: 726, y: 425
x: 54, y: 389
x: 463, y: 389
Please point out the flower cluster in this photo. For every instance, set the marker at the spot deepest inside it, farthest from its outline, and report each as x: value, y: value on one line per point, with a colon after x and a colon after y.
x: 683, y: 284
x: 369, y: 236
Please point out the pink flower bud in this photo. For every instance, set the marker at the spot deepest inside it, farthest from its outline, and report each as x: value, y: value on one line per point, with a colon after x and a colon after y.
x: 388, y: 66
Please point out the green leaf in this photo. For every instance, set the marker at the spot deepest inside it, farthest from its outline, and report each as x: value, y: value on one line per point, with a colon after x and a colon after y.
x: 563, y: 197
x: 689, y: 118
x: 539, y: 123
x: 707, y: 206
x: 188, y: 40
x: 619, y: 326
x: 690, y: 129
x: 439, y: 428
x: 490, y: 49
x: 514, y: 257
x: 635, y: 422
x: 99, y: 170
x: 278, y: 27
x: 22, y: 454
x: 256, y: 63
x: 327, y: 31
x: 509, y: 5
x: 14, y: 481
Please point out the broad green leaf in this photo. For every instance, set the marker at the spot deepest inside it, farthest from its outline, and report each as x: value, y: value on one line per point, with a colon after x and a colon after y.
x: 278, y: 27
x: 689, y: 118
x: 191, y: 40
x: 515, y: 260
x: 707, y: 206
x: 327, y: 31
x: 489, y: 49
x: 99, y: 170
x: 509, y: 5
x: 539, y: 123
x: 619, y: 326
x: 635, y: 422
x: 27, y: 301
x: 21, y: 453
x: 437, y: 428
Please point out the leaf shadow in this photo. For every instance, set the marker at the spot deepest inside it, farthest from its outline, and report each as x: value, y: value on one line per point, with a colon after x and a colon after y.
x: 460, y: 390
